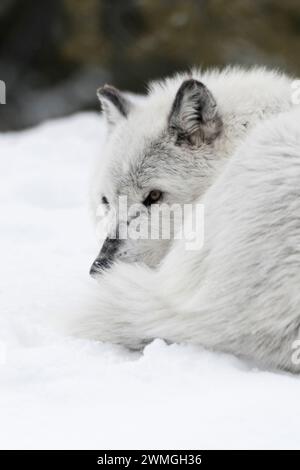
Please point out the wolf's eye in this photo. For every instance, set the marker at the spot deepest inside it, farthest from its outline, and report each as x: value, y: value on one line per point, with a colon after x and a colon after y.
x: 153, y: 197
x: 104, y: 200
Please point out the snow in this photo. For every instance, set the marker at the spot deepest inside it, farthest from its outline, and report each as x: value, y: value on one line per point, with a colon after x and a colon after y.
x: 57, y: 391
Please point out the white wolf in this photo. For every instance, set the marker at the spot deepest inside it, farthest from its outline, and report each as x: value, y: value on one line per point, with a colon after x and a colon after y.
x: 205, y: 137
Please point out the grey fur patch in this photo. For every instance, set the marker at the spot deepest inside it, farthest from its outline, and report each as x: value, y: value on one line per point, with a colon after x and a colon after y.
x: 113, y: 103
x: 194, y: 116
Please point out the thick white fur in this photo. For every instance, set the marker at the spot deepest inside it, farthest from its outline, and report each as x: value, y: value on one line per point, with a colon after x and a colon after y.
x: 240, y: 293
x: 244, y: 97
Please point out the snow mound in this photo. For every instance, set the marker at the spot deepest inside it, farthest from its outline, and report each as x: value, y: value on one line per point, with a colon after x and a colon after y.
x: 62, y: 392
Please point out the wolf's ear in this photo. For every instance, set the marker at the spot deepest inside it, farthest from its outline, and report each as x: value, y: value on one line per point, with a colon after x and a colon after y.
x: 114, y: 104
x: 194, y: 115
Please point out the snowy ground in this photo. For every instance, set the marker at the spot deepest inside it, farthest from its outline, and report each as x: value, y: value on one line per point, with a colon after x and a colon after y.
x: 61, y: 392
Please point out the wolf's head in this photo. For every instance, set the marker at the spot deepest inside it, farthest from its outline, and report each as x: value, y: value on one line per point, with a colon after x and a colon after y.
x: 160, y: 153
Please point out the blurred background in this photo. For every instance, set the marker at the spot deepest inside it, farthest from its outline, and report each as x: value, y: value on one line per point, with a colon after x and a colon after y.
x: 55, y: 53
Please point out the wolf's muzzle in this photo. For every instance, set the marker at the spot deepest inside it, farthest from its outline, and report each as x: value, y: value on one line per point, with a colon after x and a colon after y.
x: 106, y: 256
x: 99, y: 265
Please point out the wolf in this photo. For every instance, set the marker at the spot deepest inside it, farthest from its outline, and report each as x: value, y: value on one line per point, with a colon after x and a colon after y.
x: 170, y: 147
x: 229, y: 140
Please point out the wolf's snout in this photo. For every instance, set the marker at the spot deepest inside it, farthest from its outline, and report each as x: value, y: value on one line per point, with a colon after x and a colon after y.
x: 106, y: 256
x: 100, y: 264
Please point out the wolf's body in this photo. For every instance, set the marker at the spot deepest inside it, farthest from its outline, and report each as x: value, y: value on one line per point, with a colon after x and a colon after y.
x: 240, y: 293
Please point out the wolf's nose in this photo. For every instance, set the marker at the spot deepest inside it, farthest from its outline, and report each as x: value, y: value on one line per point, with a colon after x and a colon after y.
x: 99, y: 265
